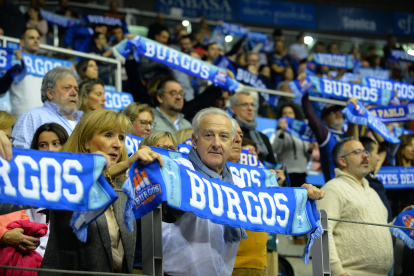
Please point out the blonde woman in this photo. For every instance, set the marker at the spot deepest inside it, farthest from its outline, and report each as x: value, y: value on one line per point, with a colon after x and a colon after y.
x: 141, y: 117
x: 91, y: 95
x: 183, y: 135
x: 110, y: 246
x: 161, y: 139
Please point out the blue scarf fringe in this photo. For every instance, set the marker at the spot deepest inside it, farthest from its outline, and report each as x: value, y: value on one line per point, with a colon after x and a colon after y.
x: 80, y: 231
x: 403, y: 236
x: 316, y: 233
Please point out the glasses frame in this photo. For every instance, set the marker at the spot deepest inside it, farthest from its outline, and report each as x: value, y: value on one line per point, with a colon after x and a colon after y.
x: 152, y: 124
x: 244, y: 105
x: 356, y: 152
x: 168, y: 147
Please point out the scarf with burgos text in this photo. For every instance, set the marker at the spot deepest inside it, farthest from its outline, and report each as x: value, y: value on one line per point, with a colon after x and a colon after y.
x: 175, y: 60
x: 405, y: 219
x: 58, y: 181
x: 394, y: 113
x: 344, y: 91
x: 398, y: 131
x: 262, y: 207
x: 299, y: 129
x: 335, y: 61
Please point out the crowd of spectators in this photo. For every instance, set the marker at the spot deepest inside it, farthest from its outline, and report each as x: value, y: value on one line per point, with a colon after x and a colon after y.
x: 50, y: 113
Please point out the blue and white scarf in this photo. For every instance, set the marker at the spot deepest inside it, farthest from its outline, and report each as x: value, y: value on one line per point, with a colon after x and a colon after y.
x: 405, y: 219
x: 299, y: 129
x: 60, y: 20
x: 58, y: 181
x: 359, y: 115
x: 176, y: 60
x: 397, y: 55
x: 117, y: 100
x: 393, y: 114
x: 91, y: 19
x: 335, y: 61
x: 225, y: 29
x: 7, y: 58
x: 398, y: 131
x: 40, y: 65
x: 132, y: 144
x: 344, y: 91
x: 396, y: 177
x: 374, y: 73
x: 243, y: 75
x: 261, y: 207
x: 405, y: 91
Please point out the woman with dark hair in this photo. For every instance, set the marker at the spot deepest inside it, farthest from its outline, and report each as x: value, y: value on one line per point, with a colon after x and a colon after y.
x: 49, y: 137
x: 292, y: 151
x: 405, y: 154
x: 91, y: 95
x: 87, y: 69
x: 37, y: 22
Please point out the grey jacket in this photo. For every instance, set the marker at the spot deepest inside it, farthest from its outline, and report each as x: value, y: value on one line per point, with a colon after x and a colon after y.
x: 65, y: 251
x: 164, y: 123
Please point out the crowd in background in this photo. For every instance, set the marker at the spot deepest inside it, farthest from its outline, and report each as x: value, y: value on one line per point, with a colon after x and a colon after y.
x: 166, y: 101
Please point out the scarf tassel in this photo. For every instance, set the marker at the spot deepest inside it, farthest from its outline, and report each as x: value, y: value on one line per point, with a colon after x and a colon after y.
x: 129, y: 216
x: 79, y: 226
x: 402, y: 235
x: 314, y: 234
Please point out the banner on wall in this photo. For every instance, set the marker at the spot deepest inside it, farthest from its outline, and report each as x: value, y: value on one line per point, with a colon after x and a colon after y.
x: 354, y: 20
x: 277, y: 13
x: 403, y: 24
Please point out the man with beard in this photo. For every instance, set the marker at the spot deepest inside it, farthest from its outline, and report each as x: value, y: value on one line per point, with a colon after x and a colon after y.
x: 60, y: 97
x: 355, y: 249
x: 169, y: 101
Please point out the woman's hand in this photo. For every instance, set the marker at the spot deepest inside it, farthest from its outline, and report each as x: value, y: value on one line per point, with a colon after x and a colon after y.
x: 280, y: 174
x: 108, y: 159
x: 145, y: 156
x: 282, y: 125
x: 313, y: 192
x: 16, y: 239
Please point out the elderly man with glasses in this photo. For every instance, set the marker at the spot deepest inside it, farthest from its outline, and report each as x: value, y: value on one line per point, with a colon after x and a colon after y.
x: 243, y: 107
x: 355, y: 249
x: 169, y: 101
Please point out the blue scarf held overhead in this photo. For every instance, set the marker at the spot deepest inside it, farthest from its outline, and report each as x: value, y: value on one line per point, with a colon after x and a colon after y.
x: 57, y: 181
x: 398, y: 131
x: 405, y: 91
x: 299, y: 129
x: 359, y: 115
x: 60, y: 20
x: 335, y: 61
x: 374, y: 73
x: 243, y: 75
x: 263, y: 207
x: 344, y: 91
x: 397, y: 55
x: 405, y: 219
x: 394, y: 114
x: 225, y: 29
x: 176, y: 60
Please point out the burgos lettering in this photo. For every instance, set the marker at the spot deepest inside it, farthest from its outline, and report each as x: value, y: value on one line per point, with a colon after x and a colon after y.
x: 404, y: 90
x: 144, y: 191
x: 346, y: 90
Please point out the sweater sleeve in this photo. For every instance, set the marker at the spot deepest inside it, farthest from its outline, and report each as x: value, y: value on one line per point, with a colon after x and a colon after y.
x: 314, y: 122
x: 332, y: 203
x: 270, y: 157
x: 278, y: 142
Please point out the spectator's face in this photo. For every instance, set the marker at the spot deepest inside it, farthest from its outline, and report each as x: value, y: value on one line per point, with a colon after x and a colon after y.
x: 408, y: 151
x: 334, y: 120
x: 162, y: 37
x: 101, y: 40
x: 374, y: 158
x: 65, y: 95
x: 265, y: 72
x: 172, y: 98
x: 1, y: 31
x: 30, y: 43
x: 288, y: 112
x: 142, y: 125
x: 213, y: 51
x: 92, y: 70
x: 221, y: 102
x: 101, y: 29
x: 165, y: 143
x: 236, y: 149
x: 244, y: 109
x: 279, y: 47
x: 253, y: 59
x: 288, y: 74
x: 33, y: 14
x: 301, y: 68
x: 365, y: 64
x: 319, y: 49
x: 334, y: 49
x: 356, y: 164
x: 118, y: 34
x: 214, y: 141
x: 110, y: 142
x: 48, y: 140
x: 186, y: 45
x: 96, y: 98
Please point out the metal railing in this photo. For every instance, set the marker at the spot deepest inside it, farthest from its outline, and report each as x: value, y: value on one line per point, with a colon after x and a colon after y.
x: 118, y: 72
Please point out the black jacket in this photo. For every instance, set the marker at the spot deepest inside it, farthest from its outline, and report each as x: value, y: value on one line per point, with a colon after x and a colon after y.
x: 270, y: 156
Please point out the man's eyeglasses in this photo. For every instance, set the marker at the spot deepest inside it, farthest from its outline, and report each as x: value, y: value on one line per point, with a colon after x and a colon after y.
x: 11, y: 139
x: 174, y: 93
x: 145, y: 123
x: 168, y: 147
x: 359, y: 152
x: 247, y: 104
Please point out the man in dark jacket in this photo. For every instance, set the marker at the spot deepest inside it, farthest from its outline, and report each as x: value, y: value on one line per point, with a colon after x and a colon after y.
x: 243, y: 106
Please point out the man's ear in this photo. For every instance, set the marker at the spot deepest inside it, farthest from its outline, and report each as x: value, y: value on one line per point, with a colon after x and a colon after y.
x: 194, y: 141
x: 342, y: 162
x: 159, y: 98
x: 233, y: 110
x: 49, y: 94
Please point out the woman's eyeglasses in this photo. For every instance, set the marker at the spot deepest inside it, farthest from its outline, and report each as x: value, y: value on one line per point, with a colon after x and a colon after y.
x: 145, y: 123
x: 175, y: 148
x: 11, y: 139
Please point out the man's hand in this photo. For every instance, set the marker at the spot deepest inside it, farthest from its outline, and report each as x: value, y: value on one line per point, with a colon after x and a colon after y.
x: 301, y: 76
x: 313, y: 192
x: 16, y: 239
x: 280, y: 174
x: 5, y: 146
x: 352, y: 100
x: 19, y: 55
x: 230, y: 73
x: 407, y: 208
x: 145, y: 156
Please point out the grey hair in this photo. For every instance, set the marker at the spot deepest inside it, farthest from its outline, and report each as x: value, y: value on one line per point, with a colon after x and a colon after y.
x: 213, y: 111
x: 51, y: 77
x: 233, y: 99
x: 339, y: 150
